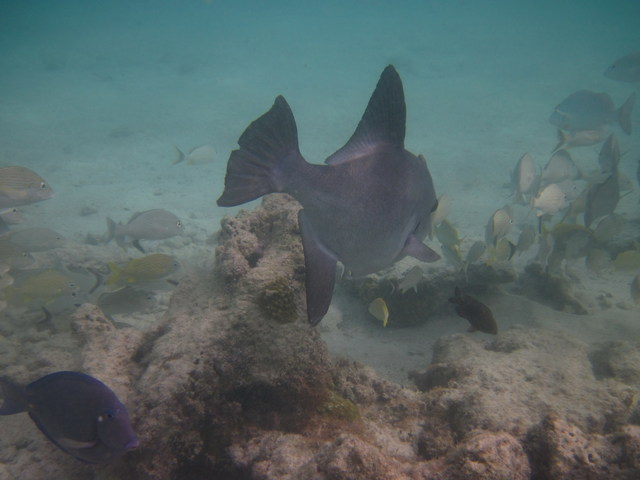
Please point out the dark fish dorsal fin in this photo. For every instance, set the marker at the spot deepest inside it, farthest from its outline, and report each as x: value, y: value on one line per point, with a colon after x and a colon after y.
x: 383, y: 122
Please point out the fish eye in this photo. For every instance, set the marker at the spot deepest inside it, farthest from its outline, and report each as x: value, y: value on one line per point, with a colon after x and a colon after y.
x: 43, y: 185
x: 179, y: 224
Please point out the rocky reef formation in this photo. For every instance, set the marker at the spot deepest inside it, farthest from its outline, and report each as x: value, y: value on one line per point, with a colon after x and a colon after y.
x: 232, y: 383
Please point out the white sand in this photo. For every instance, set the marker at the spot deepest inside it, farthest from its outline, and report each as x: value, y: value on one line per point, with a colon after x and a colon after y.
x: 95, y: 97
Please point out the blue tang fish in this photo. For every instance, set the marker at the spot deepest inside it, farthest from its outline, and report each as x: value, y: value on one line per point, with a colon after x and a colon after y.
x: 78, y: 413
x: 370, y: 204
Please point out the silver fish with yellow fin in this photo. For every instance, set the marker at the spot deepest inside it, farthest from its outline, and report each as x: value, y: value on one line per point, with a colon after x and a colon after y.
x: 144, y: 269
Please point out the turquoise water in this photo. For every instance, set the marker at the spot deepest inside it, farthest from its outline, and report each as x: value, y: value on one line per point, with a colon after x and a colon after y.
x: 94, y: 96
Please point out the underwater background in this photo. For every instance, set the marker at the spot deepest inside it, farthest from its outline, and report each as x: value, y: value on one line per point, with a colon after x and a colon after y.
x: 96, y: 97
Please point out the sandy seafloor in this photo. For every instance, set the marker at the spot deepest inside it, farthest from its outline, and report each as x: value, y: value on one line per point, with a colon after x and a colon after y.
x: 95, y: 95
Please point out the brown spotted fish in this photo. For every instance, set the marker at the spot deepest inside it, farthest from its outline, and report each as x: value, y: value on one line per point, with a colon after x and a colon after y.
x: 476, y: 312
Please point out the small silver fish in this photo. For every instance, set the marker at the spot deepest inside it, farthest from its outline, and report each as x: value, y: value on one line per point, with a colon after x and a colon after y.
x: 197, y: 155
x: 579, y: 138
x: 447, y: 234
x: 156, y: 224
x: 526, y: 239
x: 11, y: 216
x: 587, y: 110
x: 523, y: 177
x: 499, y: 225
x: 571, y: 188
x: 550, y: 200
x: 609, y: 156
x: 560, y: 167
x: 21, y: 186
x: 36, y: 239
x: 411, y: 279
x: 625, y: 69
x: 125, y: 300
x: 14, y: 255
x: 602, y: 198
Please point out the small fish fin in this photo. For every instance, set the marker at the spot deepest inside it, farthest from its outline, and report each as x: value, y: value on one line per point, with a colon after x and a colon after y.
x: 14, y: 397
x: 68, y: 443
x: 320, y: 273
x: 4, y: 228
x: 416, y: 249
x: 136, y: 244
x: 267, y: 156
x: 180, y: 156
x: 562, y: 139
x: 624, y: 113
x: 116, y: 273
x: 383, y: 121
x: 111, y: 230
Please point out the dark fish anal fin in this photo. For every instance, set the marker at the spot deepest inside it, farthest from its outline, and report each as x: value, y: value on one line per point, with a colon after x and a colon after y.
x: 416, y: 249
x: 136, y: 244
x: 383, y: 121
x: 320, y: 273
x: 268, y: 152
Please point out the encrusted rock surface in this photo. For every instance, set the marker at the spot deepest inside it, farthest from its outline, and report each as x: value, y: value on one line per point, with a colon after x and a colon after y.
x: 221, y: 387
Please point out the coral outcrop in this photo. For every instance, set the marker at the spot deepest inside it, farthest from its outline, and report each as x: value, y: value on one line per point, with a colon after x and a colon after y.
x: 232, y: 383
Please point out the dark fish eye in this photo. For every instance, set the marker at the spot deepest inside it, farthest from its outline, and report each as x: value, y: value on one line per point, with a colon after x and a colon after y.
x: 43, y: 185
x: 179, y: 224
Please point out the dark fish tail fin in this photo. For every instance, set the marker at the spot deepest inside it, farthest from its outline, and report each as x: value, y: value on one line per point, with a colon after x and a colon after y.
x: 267, y: 155
x: 624, y: 113
x: 180, y: 156
x: 14, y: 397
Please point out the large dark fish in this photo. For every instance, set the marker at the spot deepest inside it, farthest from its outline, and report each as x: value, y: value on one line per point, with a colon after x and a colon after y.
x: 477, y: 313
x: 368, y: 207
x: 78, y: 413
x: 587, y: 110
x: 625, y: 69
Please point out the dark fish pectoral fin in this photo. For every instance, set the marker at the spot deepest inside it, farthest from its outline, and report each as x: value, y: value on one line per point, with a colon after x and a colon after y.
x: 383, y: 121
x: 15, y: 397
x: 268, y: 150
x: 416, y: 249
x: 320, y: 273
